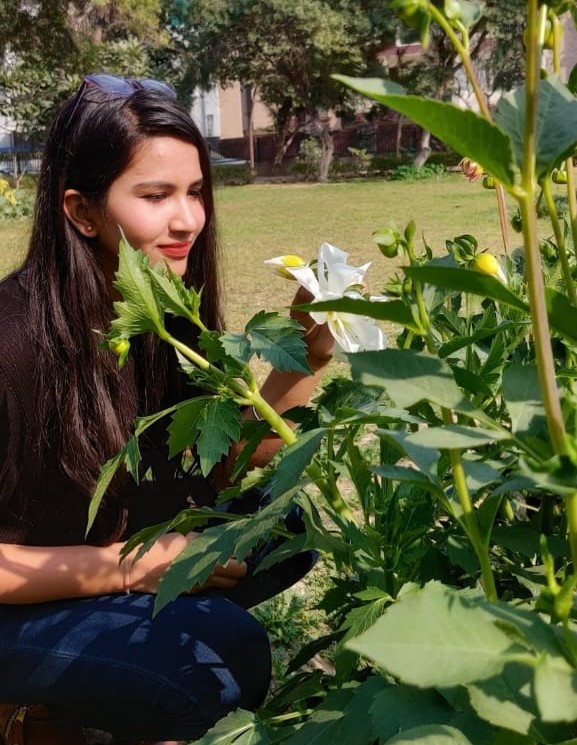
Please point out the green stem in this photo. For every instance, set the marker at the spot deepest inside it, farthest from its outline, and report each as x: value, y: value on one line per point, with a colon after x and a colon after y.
x: 534, y: 273
x: 571, y: 512
x: 560, y: 240
x: 331, y: 493
x: 244, y: 394
x: 463, y: 52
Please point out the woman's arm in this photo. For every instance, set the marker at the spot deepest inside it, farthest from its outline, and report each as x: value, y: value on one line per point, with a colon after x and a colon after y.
x: 35, y: 574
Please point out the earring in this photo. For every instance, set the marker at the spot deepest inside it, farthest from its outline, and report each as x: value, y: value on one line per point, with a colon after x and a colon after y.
x: 89, y: 228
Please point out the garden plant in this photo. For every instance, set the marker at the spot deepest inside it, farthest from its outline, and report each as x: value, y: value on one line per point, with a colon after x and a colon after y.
x: 440, y: 476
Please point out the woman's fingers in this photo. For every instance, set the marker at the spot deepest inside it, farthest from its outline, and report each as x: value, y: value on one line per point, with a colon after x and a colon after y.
x: 233, y: 569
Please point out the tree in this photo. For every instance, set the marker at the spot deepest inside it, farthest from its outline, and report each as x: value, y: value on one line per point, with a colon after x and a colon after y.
x: 286, y: 51
x: 47, y: 47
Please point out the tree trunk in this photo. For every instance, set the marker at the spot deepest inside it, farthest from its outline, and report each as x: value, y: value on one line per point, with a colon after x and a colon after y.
x: 399, y: 137
x: 328, y: 148
x: 424, y: 149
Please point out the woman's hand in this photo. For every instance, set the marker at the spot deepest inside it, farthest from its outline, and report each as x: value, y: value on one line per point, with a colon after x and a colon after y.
x: 318, y: 338
x: 145, y: 574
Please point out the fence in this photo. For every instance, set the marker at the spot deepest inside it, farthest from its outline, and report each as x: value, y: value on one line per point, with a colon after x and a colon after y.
x: 375, y: 139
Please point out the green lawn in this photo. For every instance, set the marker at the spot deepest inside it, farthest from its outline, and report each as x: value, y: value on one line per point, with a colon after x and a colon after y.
x: 260, y: 221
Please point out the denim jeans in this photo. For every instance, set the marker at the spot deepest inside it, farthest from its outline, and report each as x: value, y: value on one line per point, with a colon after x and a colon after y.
x: 106, y: 663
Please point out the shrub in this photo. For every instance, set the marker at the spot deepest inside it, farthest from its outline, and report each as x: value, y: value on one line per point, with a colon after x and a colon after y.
x: 15, y: 204
x: 232, y: 175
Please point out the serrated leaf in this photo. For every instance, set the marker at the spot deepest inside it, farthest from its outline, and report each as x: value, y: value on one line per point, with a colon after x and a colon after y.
x: 183, y: 429
x: 233, y: 730
x: 139, y: 310
x: 466, y: 280
x: 278, y: 341
x: 556, y: 122
x: 219, y: 426
x: 394, y: 311
x: 294, y: 460
x: 237, y: 346
x: 175, y: 296
x: 456, y: 637
x: 425, y: 458
x: 467, y: 133
x: 459, y: 342
x: 217, y: 544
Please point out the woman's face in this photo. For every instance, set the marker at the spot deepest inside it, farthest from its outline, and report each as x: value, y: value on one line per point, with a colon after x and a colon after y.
x: 157, y: 203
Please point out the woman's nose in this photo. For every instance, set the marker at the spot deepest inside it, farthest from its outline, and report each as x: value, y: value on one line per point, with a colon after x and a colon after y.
x: 187, y: 217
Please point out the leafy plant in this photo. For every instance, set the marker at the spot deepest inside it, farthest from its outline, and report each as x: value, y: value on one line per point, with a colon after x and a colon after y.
x: 15, y: 204
x: 444, y: 469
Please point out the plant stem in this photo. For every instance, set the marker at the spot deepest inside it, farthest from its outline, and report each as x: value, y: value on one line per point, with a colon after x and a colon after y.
x: 472, y: 527
x: 245, y: 395
x: 463, y: 52
x: 560, y: 240
x: 571, y: 512
x: 534, y: 273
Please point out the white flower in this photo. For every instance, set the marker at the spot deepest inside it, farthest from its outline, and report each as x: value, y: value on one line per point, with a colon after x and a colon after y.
x: 283, y: 264
x: 335, y: 279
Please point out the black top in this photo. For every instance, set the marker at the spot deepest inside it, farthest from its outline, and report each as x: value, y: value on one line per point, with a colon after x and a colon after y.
x: 45, y: 507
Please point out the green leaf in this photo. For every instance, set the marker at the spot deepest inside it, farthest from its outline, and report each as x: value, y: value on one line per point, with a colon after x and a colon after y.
x: 237, y: 346
x: 456, y: 436
x: 425, y: 458
x: 322, y: 726
x: 295, y: 459
x: 217, y: 544
x: 407, y: 475
x: 458, y: 640
x: 183, y: 429
x: 507, y: 701
x: 139, y: 311
x: 562, y: 315
x: 556, y: 122
x: 176, y: 298
x: 431, y: 734
x: 278, y: 341
x: 399, y: 708
x: 464, y: 131
x: 556, y: 689
x: 107, y: 473
x: 459, y: 342
x: 240, y: 727
x: 466, y: 280
x: 394, y: 311
x: 219, y: 425
x: 410, y: 377
x: 522, y: 394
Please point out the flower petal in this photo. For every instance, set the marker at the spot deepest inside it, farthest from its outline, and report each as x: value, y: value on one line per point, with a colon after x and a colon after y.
x: 355, y: 333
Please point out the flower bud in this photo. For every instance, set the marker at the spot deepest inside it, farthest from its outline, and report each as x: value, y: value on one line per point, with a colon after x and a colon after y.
x: 472, y: 170
x: 452, y: 10
x: 282, y: 264
x: 120, y: 347
x: 389, y: 241
x: 488, y: 182
x: 559, y: 176
x: 488, y: 264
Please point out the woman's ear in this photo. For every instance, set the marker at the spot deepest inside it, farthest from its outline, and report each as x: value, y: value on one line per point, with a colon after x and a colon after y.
x: 78, y: 213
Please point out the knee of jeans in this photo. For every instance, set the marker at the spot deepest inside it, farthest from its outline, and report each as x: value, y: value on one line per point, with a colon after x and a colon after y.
x: 238, y: 677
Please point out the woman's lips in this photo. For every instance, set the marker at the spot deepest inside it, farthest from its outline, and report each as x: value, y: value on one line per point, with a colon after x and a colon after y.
x: 175, y: 250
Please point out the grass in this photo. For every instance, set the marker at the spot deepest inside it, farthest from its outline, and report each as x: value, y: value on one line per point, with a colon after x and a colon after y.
x: 257, y: 222
x: 260, y: 221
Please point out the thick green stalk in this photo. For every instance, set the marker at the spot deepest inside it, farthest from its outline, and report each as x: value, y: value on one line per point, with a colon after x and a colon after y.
x: 239, y: 390
x: 534, y: 273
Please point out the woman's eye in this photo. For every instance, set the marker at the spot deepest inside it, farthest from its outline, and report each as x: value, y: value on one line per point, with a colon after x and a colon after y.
x: 155, y: 197
x: 196, y: 193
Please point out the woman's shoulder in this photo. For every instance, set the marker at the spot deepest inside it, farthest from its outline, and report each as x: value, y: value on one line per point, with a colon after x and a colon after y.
x: 13, y: 299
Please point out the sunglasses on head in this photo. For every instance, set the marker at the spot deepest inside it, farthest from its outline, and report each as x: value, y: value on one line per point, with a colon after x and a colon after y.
x: 117, y: 86
x: 126, y: 86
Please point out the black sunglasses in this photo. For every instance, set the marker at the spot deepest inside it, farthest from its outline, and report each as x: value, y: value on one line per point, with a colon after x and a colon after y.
x: 117, y: 86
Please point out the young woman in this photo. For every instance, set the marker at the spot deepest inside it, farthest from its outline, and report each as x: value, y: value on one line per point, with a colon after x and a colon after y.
x: 121, y: 154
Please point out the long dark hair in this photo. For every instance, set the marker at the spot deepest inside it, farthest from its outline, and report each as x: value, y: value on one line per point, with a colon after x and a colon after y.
x: 85, y: 406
